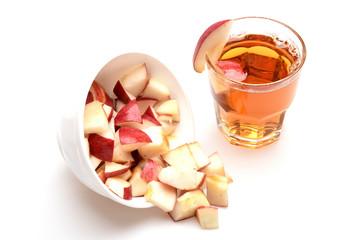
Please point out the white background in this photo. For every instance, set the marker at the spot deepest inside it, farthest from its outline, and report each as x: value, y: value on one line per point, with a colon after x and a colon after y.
x: 305, y: 186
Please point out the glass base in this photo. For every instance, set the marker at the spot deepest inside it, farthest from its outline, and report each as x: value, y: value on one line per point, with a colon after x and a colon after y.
x: 249, y: 142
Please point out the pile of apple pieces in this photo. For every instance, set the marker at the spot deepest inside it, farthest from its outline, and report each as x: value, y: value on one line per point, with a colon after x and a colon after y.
x: 129, y: 141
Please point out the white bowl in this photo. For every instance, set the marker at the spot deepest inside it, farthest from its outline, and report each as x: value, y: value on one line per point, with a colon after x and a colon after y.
x: 70, y: 133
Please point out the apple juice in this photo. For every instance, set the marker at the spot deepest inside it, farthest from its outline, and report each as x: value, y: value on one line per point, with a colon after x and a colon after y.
x: 253, y: 110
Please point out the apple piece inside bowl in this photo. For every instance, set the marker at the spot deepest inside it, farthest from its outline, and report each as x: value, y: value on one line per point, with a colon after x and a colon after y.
x: 70, y: 134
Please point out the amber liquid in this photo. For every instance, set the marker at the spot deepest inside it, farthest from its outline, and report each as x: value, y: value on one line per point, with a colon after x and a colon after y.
x: 254, y: 118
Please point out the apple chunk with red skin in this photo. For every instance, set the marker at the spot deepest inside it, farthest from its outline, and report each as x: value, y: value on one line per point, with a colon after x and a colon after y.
x: 130, y: 113
x: 150, y: 171
x: 161, y: 195
x: 158, y: 145
x: 207, y: 217
x: 132, y: 138
x: 211, y: 43
x: 98, y: 93
x: 119, y: 186
x: 182, y: 178
x: 187, y: 204
x: 102, y: 145
x: 135, y: 81
x: 122, y: 94
x: 113, y: 169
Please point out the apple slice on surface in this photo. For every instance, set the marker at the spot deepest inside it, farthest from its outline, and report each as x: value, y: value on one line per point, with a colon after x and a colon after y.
x: 122, y: 94
x: 199, y: 155
x: 102, y: 145
x: 155, y: 89
x: 217, y: 190
x: 113, y: 169
x: 187, y: 204
x: 207, y: 217
x: 132, y: 138
x: 216, y: 167
x: 169, y: 107
x: 211, y: 43
x: 180, y: 156
x: 135, y: 81
x: 128, y: 114
x: 95, y: 118
x: 138, y: 184
x: 161, y: 195
x: 158, y: 145
x: 99, y: 94
x: 151, y: 171
x: 120, y: 187
x: 182, y: 178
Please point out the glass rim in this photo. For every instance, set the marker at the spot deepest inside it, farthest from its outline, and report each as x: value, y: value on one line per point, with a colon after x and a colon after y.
x: 261, y: 85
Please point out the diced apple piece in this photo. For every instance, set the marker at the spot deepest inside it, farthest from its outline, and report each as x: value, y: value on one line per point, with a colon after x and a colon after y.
x: 87, y: 145
x: 99, y: 94
x: 158, y: 145
x: 199, y: 155
x: 113, y: 169
x: 101, y: 173
x: 95, y: 162
x: 122, y: 94
x: 217, y: 190
x: 118, y: 106
x: 216, y: 167
x: 150, y: 171
x: 121, y: 156
x: 161, y: 195
x: 138, y: 184
x: 126, y: 175
x: 155, y: 89
x: 120, y: 187
x: 95, y: 118
x: 102, y: 145
x: 180, y: 156
x: 108, y: 110
x: 211, y: 43
x: 159, y: 161
x: 187, y: 204
x: 135, y: 81
x: 174, y: 141
x: 144, y: 103
x: 182, y: 178
x: 207, y: 217
x: 168, y: 125
x: 150, y: 115
x: 128, y: 114
x: 132, y: 138
x: 169, y: 107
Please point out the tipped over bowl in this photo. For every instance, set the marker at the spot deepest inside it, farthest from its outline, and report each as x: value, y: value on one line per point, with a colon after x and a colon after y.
x: 70, y: 132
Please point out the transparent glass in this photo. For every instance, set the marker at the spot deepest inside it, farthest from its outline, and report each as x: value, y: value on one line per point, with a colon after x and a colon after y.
x: 252, y: 115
